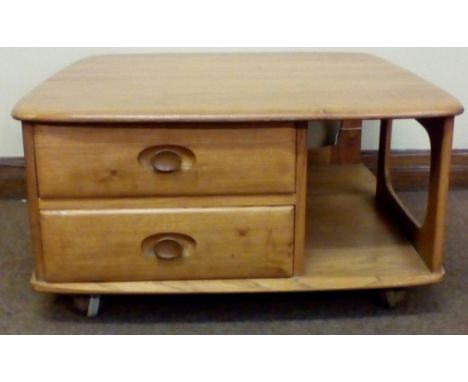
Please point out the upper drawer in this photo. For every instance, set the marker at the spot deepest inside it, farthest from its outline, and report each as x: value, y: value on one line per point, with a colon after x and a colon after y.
x: 167, y: 160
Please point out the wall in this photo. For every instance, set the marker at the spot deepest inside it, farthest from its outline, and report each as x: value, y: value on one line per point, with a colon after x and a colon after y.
x: 23, y: 68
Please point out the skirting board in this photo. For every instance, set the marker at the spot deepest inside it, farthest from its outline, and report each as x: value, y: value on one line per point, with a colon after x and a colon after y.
x: 410, y: 171
x: 12, y: 178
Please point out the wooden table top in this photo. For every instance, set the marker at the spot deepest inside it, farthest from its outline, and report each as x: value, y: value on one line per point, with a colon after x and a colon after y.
x: 233, y: 87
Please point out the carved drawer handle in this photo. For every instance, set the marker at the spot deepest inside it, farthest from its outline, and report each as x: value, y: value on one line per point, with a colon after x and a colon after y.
x: 168, y: 246
x: 166, y: 161
x: 168, y: 249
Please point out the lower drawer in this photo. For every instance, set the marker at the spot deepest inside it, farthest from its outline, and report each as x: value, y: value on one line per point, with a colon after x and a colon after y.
x: 145, y: 245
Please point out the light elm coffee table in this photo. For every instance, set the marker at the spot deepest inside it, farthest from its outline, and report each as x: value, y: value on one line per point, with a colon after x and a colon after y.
x: 169, y: 174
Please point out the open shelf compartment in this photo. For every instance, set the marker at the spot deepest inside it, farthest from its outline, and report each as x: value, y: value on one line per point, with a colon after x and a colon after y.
x: 349, y: 238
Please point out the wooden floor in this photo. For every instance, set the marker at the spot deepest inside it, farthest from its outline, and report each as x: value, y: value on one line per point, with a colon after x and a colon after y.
x: 350, y: 245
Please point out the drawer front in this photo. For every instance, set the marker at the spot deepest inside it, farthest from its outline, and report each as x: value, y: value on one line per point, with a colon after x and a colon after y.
x: 145, y: 245
x: 117, y: 162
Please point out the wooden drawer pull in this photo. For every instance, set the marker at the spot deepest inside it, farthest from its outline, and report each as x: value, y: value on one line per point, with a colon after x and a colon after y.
x: 168, y: 249
x: 168, y: 246
x: 166, y: 161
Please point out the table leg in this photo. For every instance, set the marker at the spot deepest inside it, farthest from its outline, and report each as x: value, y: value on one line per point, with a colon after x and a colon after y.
x: 428, y: 237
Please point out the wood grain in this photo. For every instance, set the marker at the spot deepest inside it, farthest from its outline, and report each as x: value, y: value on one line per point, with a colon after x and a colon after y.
x: 86, y: 245
x: 233, y: 87
x: 294, y: 284
x: 346, y: 233
x: 89, y: 162
x: 351, y: 245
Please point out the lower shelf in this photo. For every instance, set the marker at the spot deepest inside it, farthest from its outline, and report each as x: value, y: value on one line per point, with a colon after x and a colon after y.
x: 350, y: 245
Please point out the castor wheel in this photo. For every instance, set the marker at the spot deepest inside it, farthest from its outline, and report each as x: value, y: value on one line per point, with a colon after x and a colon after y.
x: 87, y: 305
x: 391, y: 298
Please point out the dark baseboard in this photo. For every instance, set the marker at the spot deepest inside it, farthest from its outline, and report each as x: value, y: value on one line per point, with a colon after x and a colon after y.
x: 411, y: 168
x: 410, y: 171
x: 12, y: 178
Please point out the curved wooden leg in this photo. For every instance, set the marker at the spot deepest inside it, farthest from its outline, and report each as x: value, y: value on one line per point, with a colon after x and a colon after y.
x: 428, y: 237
